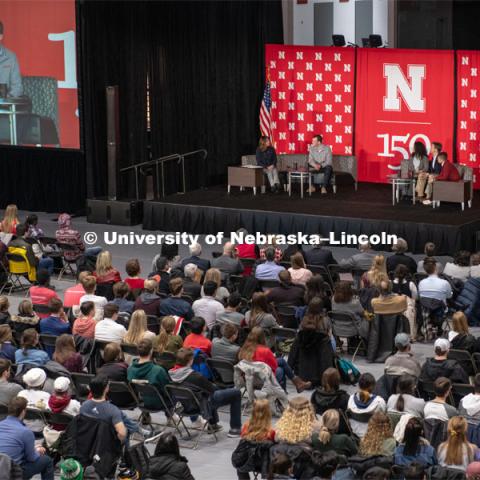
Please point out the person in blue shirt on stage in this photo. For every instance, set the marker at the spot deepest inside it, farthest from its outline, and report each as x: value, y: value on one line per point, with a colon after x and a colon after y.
x: 18, y: 442
x: 9, y: 70
x: 267, y: 158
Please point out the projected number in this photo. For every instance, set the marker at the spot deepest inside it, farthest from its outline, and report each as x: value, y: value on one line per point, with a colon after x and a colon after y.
x: 69, y: 56
x: 398, y: 143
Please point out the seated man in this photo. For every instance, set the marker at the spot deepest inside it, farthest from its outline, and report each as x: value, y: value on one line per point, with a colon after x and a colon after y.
x: 211, y: 398
x: 174, y: 304
x: 441, y: 366
x: 121, y: 291
x: 319, y: 256
x: 449, y: 173
x: 208, y: 307
x: 89, y: 285
x: 438, y: 408
x: 8, y: 390
x: 225, y: 348
x: 195, y: 252
x: 161, y: 274
x: 18, y: 442
x: 41, y: 293
x: 269, y: 269
x: 429, y: 251
x: 108, y: 330
x: 149, y: 300
x: 399, y: 257
x: 56, y: 323
x: 403, y: 362
x: 228, y: 263
x: 434, y: 167
x: 388, y: 303
x: 362, y: 260
x: 143, y: 368
x: 320, y: 160
x: 231, y: 313
x: 286, y: 292
x: 196, y: 339
x: 191, y: 285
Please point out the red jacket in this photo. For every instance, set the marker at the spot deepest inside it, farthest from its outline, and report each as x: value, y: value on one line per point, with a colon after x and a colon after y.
x: 265, y: 355
x: 449, y: 173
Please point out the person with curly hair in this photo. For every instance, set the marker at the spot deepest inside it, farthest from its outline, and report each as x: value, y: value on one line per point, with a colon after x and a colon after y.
x: 379, y: 437
x: 297, y: 423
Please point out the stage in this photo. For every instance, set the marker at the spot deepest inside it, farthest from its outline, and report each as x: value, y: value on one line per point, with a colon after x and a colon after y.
x: 368, y: 210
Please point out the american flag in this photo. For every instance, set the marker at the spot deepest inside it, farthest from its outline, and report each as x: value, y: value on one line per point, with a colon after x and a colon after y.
x: 265, y: 118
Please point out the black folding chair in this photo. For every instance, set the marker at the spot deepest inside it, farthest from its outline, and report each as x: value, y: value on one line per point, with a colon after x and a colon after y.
x: 153, y: 324
x: 222, y: 371
x: 41, y: 309
x: 187, y: 405
x: 465, y: 359
x: 69, y: 266
x: 105, y: 290
x: 62, y: 419
x: 17, y: 269
x: 268, y: 284
x: 459, y: 390
x: 427, y: 392
x: 321, y: 270
x: 187, y: 298
x: 346, y: 325
x: 280, y: 335
x: 3, y: 411
x: 286, y: 316
x: 129, y: 349
x: 47, y: 341
x: 81, y: 383
x: 165, y: 359
x: 122, y: 395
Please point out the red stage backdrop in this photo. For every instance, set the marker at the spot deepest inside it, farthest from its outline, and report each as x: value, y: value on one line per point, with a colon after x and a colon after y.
x: 42, y: 35
x: 402, y: 96
x: 312, y: 91
x: 468, y: 108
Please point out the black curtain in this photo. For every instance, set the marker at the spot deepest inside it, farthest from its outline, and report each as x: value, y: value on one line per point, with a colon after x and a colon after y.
x: 207, y: 79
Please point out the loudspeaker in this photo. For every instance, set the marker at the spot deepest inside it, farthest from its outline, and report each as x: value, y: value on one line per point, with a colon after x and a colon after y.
x: 113, y: 139
x: 114, y: 212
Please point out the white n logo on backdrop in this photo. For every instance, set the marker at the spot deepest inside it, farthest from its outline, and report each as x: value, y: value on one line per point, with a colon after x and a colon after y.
x: 410, y: 90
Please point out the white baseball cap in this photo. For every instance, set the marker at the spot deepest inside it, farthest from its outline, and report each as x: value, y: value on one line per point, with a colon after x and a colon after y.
x: 442, y: 343
x: 61, y: 384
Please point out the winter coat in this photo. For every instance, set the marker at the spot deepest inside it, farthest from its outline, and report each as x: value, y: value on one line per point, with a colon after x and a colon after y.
x: 468, y: 300
x: 168, y: 467
x: 310, y: 355
x: 451, y: 369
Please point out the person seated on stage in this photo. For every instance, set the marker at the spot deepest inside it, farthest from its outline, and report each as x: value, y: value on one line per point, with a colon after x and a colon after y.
x: 403, y: 362
x: 460, y: 268
x: 388, y: 303
x: 228, y: 263
x: 418, y: 165
x: 434, y: 167
x: 362, y: 260
x: 429, y: 251
x: 195, y: 251
x: 286, y: 292
x: 161, y: 275
x: 174, y: 304
x: 299, y: 274
x: 132, y: 267
x: 449, y: 173
x: 320, y: 161
x: 319, y: 256
x: 268, y: 270
x: 267, y: 159
x: 399, y: 248
x: 191, y: 281
x: 41, y: 293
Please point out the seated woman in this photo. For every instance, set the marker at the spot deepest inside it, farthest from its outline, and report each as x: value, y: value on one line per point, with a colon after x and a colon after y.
x: 33, y: 230
x: 114, y: 368
x: 4, y: 313
x: 133, y: 270
x: 460, y: 267
x: 267, y: 158
x: 312, y: 351
x: 297, y: 423
x: 363, y: 404
x: 404, y: 401
x: 167, y: 462
x: 26, y: 318
x: 7, y: 349
x: 86, y: 323
x: 137, y: 328
x: 414, y: 447
x: 61, y: 401
x: 377, y: 273
x: 328, y: 437
x: 255, y: 350
x: 378, y: 439
x: 104, y: 271
x: 259, y: 427
x: 66, y: 354
x: 300, y: 275
x: 344, y: 301
x: 214, y: 275
x: 10, y: 220
x: 460, y: 337
x: 167, y: 341
x: 30, y: 353
x: 457, y: 452
x: 260, y: 313
x: 417, y: 166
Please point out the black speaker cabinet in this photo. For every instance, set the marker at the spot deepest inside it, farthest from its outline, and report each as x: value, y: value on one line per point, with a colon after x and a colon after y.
x: 114, y: 212
x: 113, y: 140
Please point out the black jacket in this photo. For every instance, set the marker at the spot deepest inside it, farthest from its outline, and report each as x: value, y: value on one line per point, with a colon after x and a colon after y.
x: 469, y: 301
x: 266, y: 158
x: 451, y: 369
x: 323, y: 401
x: 401, y: 259
x: 114, y: 371
x: 319, y: 256
x: 311, y: 354
x: 191, y: 288
x: 169, y: 467
x: 286, y: 294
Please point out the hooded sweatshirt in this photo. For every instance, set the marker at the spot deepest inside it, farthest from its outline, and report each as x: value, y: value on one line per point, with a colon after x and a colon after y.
x: 470, y: 406
x: 149, y: 302
x: 451, y: 369
x: 66, y: 234
x: 356, y: 405
x: 63, y: 404
x: 85, y: 327
x: 154, y: 374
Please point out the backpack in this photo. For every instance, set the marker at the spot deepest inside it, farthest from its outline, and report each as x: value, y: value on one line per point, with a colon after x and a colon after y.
x: 200, y: 364
x: 349, y: 373
x: 138, y: 459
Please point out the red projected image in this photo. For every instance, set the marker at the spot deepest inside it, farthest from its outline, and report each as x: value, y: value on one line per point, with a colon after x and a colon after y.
x: 38, y: 78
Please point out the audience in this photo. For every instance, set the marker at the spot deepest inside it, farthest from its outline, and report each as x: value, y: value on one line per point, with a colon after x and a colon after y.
x: 60, y: 400
x: 137, y: 329
x: 67, y: 234
x: 90, y: 284
x: 108, y: 330
x: 66, y: 354
x: 196, y: 339
x: 286, y: 292
x: 470, y: 404
x: 167, y: 341
x: 329, y: 395
x: 298, y: 273
x: 7, y: 349
x: 225, y: 348
x: 269, y: 269
x: 328, y: 437
x: 104, y: 270
x: 460, y: 268
x: 85, y: 324
x: 403, y: 362
x: 149, y: 300
x: 57, y: 322
x: 231, y: 314
x: 228, y: 263
x: 195, y: 252
x: 8, y: 390
x: 132, y: 268
x: 174, y: 304
x: 271, y: 244
x: 26, y: 318
x: 161, y: 275
x: 10, y: 220
x: 475, y: 265
x: 260, y: 313
x: 4, y: 313
x: 114, y: 367
x: 360, y: 261
x: 344, y: 301
x: 41, y: 293
x: 36, y: 397
x: 438, y: 408
x: 388, y: 303
x: 259, y: 427
x: 376, y: 273
x: 404, y: 400
x: 297, y: 423
x: 121, y: 291
x: 460, y: 337
x: 378, y: 439
x: 30, y: 352
x: 72, y: 295
x: 214, y: 275
x: 17, y: 441
x: 400, y: 258
x: 319, y: 256
x: 429, y: 251
x: 191, y: 281
x: 208, y: 306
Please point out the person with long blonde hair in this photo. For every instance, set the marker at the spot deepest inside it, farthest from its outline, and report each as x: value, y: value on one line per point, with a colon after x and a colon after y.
x: 457, y: 451
x: 297, y: 423
x: 214, y: 275
x: 460, y: 337
x: 379, y: 437
x: 104, y: 270
x: 259, y: 427
x: 10, y: 220
x: 137, y: 328
x: 328, y: 438
x: 377, y: 273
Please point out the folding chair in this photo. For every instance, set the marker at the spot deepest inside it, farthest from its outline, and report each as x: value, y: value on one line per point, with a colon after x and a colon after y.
x: 129, y: 349
x: 3, y: 411
x: 123, y: 319
x: 164, y: 359
x: 98, y: 352
x: 62, y: 418
x: 81, y: 382
x: 345, y: 324
x: 222, y: 371
x: 426, y: 391
x: 122, y: 395
x: 286, y: 316
x: 476, y: 359
x: 153, y: 324
x: 321, y: 270
x: 17, y: 269
x: 280, y: 335
x: 41, y: 309
x: 189, y: 406
x: 69, y: 266
x: 105, y: 290
x: 268, y: 284
x: 47, y: 342
x: 459, y: 390
x: 465, y: 359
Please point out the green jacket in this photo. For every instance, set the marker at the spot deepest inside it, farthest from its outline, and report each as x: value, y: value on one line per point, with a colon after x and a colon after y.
x: 154, y: 374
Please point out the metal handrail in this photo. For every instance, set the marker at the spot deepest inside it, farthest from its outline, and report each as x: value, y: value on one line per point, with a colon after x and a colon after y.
x: 161, y: 161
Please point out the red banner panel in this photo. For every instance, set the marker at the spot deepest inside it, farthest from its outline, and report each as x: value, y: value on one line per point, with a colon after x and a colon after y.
x: 402, y: 96
x: 468, y: 108
x: 312, y: 90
